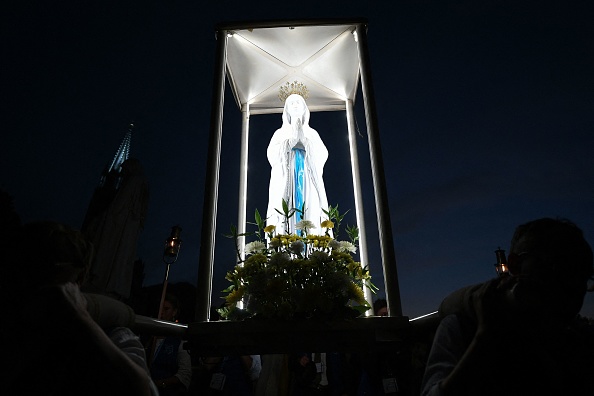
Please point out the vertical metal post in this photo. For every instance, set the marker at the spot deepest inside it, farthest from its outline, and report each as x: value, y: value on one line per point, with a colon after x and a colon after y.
x: 360, y: 214
x: 211, y: 185
x: 243, y: 174
x: 379, y: 179
x: 164, y: 291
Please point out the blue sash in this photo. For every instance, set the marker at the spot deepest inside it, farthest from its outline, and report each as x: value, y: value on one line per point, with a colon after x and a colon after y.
x: 299, y: 178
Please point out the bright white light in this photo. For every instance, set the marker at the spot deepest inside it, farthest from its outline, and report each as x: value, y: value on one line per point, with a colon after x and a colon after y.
x: 172, y: 324
x: 355, y: 36
x: 423, y: 316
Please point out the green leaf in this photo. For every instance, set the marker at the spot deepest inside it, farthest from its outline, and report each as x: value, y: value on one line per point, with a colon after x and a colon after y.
x: 302, y: 210
x: 224, y: 312
x: 259, y: 220
x: 233, y: 234
x: 371, y: 287
x: 353, y: 233
x: 229, y: 289
x: 361, y: 308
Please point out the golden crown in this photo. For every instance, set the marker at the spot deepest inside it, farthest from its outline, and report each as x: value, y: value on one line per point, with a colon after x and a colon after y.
x: 292, y: 88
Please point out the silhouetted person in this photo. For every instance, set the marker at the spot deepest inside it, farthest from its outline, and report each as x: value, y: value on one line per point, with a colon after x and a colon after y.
x: 171, y: 365
x: 380, y: 307
x: 52, y: 344
x: 378, y: 374
x: 232, y: 375
x: 321, y: 374
x: 520, y: 334
x: 10, y: 223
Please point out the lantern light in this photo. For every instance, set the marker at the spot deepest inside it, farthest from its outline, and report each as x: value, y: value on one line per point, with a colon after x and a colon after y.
x: 501, y: 266
x: 172, y: 246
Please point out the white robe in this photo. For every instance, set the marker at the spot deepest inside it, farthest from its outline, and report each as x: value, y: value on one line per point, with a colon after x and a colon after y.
x: 282, y: 161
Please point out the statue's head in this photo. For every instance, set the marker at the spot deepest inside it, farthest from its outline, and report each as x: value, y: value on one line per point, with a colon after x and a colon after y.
x: 295, y: 107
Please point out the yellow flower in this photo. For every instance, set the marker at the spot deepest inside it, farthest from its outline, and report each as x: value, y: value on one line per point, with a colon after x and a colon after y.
x: 270, y: 228
x: 324, y: 240
x: 235, y: 296
x: 353, y: 266
x: 255, y: 262
x: 356, y: 294
x: 285, y: 277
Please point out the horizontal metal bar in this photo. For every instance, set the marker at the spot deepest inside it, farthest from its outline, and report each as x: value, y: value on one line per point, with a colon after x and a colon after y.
x: 155, y: 327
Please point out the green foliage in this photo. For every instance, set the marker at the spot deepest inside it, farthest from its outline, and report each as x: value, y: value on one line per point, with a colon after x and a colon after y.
x: 334, y: 215
x: 293, y: 277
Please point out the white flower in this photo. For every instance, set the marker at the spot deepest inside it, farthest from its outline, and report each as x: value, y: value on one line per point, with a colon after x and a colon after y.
x: 346, y: 246
x: 305, y: 225
x: 279, y: 259
x: 342, y: 246
x: 334, y: 244
x: 274, y: 243
x: 254, y: 247
x: 297, y: 246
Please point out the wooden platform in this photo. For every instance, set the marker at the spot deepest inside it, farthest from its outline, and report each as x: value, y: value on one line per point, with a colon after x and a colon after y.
x: 220, y: 338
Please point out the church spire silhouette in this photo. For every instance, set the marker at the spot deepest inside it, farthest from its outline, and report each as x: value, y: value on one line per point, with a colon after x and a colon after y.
x: 113, y: 223
x: 111, y: 178
x: 123, y: 152
x: 110, y: 181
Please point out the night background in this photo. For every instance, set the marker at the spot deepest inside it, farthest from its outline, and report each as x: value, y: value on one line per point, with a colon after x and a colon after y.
x: 486, y: 118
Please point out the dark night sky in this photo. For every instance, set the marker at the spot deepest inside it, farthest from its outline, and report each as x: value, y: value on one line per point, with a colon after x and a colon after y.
x: 486, y: 115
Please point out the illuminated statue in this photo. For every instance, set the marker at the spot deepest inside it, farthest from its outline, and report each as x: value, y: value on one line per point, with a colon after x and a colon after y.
x: 297, y: 156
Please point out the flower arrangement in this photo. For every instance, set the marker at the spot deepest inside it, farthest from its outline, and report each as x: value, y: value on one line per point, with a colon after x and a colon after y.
x: 297, y: 275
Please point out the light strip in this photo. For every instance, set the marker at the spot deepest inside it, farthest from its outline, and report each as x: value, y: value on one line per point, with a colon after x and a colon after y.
x: 423, y: 316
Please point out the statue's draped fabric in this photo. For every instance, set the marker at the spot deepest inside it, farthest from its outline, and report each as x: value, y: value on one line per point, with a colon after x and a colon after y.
x: 297, y: 156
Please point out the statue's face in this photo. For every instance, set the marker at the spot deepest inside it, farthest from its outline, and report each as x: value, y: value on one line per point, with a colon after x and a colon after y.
x: 295, y: 106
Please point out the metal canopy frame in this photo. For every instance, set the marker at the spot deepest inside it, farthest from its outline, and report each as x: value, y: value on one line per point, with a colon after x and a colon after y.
x: 331, y: 57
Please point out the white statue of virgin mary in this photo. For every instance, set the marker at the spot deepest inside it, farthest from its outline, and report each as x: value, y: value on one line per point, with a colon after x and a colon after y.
x: 297, y: 156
